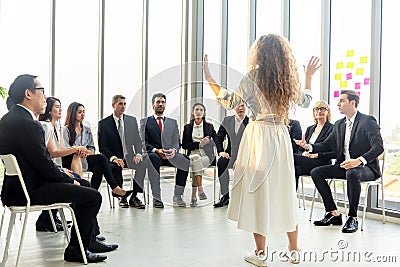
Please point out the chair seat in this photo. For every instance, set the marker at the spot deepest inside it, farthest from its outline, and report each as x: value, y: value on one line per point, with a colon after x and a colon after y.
x: 20, y: 209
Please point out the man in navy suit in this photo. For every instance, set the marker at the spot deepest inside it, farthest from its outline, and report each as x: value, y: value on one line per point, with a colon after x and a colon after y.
x: 232, y: 128
x: 120, y: 142
x: 21, y: 136
x: 358, y: 143
x: 161, y: 135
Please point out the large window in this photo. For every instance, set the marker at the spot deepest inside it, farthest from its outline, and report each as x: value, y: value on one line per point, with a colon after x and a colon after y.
x: 25, y: 42
x: 76, y: 56
x: 164, y: 47
x: 350, y: 51
x: 268, y: 17
x: 305, y: 40
x: 123, y: 54
x: 389, y: 122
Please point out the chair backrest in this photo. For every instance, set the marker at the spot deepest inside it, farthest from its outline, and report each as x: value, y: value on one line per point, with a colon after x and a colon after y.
x: 12, y: 169
x: 381, y: 160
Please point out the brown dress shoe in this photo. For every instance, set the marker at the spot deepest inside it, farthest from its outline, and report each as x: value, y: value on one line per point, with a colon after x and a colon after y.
x: 136, y: 203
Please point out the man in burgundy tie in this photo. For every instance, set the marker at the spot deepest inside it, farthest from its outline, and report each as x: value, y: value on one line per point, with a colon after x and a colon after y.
x: 161, y: 135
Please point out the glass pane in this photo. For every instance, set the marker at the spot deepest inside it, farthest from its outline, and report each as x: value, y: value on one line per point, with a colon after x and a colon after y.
x: 268, y: 17
x: 76, y: 57
x: 123, y: 54
x: 305, y: 40
x: 350, y: 51
x: 25, y: 42
x: 389, y: 122
x: 212, y: 47
x: 165, y: 53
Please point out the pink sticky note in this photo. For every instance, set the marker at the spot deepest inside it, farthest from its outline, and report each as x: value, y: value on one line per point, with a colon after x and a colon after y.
x: 336, y: 94
x: 366, y: 81
x: 349, y: 76
x: 358, y: 93
x: 357, y: 85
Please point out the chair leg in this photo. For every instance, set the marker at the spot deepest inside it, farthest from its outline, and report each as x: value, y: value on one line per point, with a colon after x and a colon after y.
x: 345, y: 197
x: 2, y: 219
x: 53, y: 223
x: 78, y: 234
x: 312, y: 203
x: 8, y: 238
x: 22, y: 236
x: 64, y: 224
x: 109, y: 197
x: 214, y: 184
x: 365, y: 207
x: 383, y: 204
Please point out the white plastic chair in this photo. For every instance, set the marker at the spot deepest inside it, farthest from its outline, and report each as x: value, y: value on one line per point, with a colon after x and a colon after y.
x: 12, y: 169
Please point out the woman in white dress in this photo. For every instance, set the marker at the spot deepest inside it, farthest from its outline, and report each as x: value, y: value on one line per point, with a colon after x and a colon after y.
x: 263, y: 194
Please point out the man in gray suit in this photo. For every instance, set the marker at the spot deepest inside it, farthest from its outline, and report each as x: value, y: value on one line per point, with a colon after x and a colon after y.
x: 161, y: 135
x: 119, y: 140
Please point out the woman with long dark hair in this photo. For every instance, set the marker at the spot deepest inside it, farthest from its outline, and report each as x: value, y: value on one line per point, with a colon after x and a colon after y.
x: 77, y: 134
x: 198, y: 140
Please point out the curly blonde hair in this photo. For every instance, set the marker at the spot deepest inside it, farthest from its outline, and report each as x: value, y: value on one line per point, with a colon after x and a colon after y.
x: 277, y: 75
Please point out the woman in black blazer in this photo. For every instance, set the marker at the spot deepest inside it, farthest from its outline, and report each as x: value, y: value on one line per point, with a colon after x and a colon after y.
x: 304, y: 161
x: 198, y: 136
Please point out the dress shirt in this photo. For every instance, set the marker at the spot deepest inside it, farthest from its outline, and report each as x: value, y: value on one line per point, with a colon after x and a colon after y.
x: 197, y: 132
x: 238, y: 123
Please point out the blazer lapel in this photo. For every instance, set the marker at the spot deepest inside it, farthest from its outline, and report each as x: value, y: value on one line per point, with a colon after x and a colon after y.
x: 354, y: 127
x: 155, y: 124
x: 312, y: 129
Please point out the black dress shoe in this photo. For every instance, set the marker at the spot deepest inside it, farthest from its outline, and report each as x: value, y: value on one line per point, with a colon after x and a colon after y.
x: 224, y: 201
x: 329, y: 219
x: 158, y: 204
x: 44, y: 227
x: 123, y: 203
x: 100, y: 247
x: 126, y: 195
x: 73, y: 254
x: 136, y: 203
x: 350, y: 226
x: 57, y: 220
x: 101, y: 238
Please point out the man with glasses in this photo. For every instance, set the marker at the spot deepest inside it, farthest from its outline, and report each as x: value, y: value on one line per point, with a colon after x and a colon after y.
x: 357, y: 141
x: 22, y: 136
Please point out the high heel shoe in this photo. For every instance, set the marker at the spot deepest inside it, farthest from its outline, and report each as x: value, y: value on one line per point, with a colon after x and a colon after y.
x: 126, y: 195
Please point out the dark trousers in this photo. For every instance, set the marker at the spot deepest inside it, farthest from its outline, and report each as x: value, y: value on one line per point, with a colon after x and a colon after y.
x: 138, y: 180
x: 303, y: 166
x: 86, y: 203
x: 180, y: 161
x: 352, y: 177
x: 223, y: 165
x: 98, y: 165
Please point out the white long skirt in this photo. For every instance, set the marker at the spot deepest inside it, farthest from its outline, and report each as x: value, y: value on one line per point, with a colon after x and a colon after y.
x: 263, y: 197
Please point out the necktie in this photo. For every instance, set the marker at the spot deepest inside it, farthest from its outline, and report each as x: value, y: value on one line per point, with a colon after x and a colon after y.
x: 347, y: 135
x: 159, y: 123
x: 121, y: 136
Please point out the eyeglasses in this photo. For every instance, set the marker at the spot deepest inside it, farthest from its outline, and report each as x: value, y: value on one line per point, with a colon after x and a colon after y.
x: 38, y: 88
x: 320, y: 109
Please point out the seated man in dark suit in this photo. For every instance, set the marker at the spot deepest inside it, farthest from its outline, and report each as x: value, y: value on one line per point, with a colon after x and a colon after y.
x: 120, y: 142
x: 161, y: 135
x: 23, y: 137
x: 358, y: 143
x: 232, y: 128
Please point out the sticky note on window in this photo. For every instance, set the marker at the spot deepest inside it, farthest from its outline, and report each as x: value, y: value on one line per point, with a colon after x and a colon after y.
x: 339, y: 65
x: 357, y: 85
x: 336, y: 94
x: 350, y: 53
x: 360, y: 71
x: 338, y: 76
x: 350, y: 65
x: 343, y: 84
x: 349, y: 76
x: 358, y: 93
x: 366, y: 81
x: 363, y: 60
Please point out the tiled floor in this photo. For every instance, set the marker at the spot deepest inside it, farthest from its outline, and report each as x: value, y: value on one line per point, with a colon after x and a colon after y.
x: 203, y: 236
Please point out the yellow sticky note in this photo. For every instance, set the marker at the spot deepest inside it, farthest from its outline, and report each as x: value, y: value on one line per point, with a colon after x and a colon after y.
x: 363, y: 60
x: 360, y: 71
x: 338, y: 76
x: 350, y: 53
x: 343, y: 84
x: 350, y: 65
x: 339, y: 65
